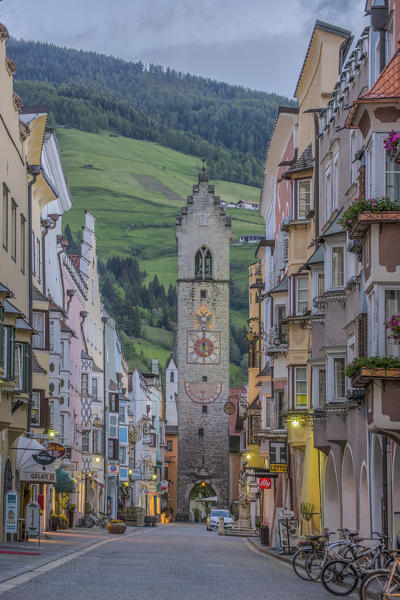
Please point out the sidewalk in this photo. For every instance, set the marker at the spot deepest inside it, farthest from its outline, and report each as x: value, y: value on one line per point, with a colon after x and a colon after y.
x: 19, y: 558
x: 269, y: 551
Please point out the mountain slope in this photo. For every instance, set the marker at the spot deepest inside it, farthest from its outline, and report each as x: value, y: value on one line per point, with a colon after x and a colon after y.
x: 136, y: 189
x: 227, y: 116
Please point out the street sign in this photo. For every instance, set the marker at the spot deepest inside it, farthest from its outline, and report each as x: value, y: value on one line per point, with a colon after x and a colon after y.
x: 43, y: 458
x: 277, y: 452
x: 229, y: 408
x: 11, y: 513
x: 112, y: 469
x: 264, y: 483
x: 32, y: 518
x: 263, y: 473
x: 278, y: 468
x: 55, y: 449
x: 286, y: 513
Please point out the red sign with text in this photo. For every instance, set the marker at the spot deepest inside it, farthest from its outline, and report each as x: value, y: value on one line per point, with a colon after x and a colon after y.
x: 264, y: 483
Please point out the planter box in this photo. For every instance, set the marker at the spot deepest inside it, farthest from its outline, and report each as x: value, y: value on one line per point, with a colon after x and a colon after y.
x: 117, y: 528
x: 365, y: 376
x: 367, y: 218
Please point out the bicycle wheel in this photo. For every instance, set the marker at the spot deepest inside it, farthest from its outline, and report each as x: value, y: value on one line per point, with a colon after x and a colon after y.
x: 315, y: 563
x: 339, y: 577
x: 373, y: 585
x: 102, y: 522
x: 299, y: 562
x: 87, y: 521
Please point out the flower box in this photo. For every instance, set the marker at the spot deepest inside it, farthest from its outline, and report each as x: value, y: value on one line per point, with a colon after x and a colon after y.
x: 365, y: 219
x: 117, y: 528
x: 365, y: 375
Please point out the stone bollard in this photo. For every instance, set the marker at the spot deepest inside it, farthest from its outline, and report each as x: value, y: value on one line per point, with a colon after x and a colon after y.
x: 221, y: 526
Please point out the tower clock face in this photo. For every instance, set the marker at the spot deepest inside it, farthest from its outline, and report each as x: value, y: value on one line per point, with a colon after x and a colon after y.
x: 204, y: 347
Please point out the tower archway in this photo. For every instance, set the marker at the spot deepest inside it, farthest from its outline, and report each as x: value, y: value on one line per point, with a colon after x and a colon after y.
x: 198, y: 505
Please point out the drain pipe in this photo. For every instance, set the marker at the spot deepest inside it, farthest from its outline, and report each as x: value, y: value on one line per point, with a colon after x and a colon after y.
x: 34, y: 171
x: 104, y: 320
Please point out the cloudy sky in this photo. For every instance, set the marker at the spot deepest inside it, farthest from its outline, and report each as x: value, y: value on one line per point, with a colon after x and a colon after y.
x: 255, y: 43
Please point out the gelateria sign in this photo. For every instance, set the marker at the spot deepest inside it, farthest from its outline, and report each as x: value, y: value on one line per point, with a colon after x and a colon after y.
x: 37, y: 476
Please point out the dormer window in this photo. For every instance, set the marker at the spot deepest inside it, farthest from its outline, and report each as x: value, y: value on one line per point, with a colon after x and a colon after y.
x: 203, y: 263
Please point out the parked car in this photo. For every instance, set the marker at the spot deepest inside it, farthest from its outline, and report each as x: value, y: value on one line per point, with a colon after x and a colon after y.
x: 212, y: 519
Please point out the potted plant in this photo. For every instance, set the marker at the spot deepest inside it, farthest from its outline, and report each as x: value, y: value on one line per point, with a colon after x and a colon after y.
x: 363, y: 369
x: 116, y: 526
x: 71, y: 508
x: 264, y: 533
x: 307, y: 510
x: 53, y: 522
x: 349, y: 217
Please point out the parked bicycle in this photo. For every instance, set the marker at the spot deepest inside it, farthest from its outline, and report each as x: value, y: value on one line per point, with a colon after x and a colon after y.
x: 92, y: 518
x: 382, y: 584
x: 341, y: 576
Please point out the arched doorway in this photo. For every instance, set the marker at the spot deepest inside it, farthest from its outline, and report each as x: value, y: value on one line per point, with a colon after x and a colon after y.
x: 331, y: 496
x: 396, y: 493
x: 199, y: 507
x: 364, y: 527
x: 349, y: 492
x: 377, y: 478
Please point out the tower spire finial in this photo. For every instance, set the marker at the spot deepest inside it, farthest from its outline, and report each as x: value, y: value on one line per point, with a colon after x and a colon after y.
x: 203, y: 173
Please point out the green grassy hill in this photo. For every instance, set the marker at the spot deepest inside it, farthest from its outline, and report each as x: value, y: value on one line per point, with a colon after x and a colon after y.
x: 136, y: 189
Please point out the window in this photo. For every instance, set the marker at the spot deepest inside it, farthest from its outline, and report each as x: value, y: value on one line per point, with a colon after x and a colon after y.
x: 352, y: 156
x: 339, y: 381
x: 39, y: 325
x: 5, y: 217
x: 204, y: 409
x: 84, y: 384
x: 204, y: 378
x: 114, y: 402
x: 23, y: 243
x: 62, y: 427
x: 85, y: 442
x: 337, y: 270
x: 300, y: 387
x: 320, y: 284
x: 301, y: 295
x: 113, y: 452
x: 33, y: 254
x: 38, y: 258
x: 335, y: 182
x: 201, y: 432
x: 203, y: 263
x: 122, y: 455
x: 321, y: 387
x: 94, y: 388
x: 203, y: 294
x: 35, y: 409
x: 303, y: 198
x: 113, y: 426
x: 21, y: 367
x: 122, y: 415
x: 282, y: 327
x: 392, y: 307
x: 392, y: 178
x: 172, y: 376
x: 13, y: 229
x: 169, y: 445
x: 8, y: 351
x: 328, y: 193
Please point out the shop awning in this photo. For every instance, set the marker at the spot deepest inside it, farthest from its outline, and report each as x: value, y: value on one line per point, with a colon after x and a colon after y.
x: 64, y: 482
x: 28, y: 469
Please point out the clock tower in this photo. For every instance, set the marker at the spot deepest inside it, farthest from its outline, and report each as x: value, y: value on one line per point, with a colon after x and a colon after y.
x: 204, y: 234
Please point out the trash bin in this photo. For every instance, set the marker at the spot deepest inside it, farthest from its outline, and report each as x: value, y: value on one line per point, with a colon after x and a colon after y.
x: 264, y: 535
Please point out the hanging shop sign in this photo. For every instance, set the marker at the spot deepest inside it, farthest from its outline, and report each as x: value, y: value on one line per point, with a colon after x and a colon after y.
x: 113, y: 469
x: 55, y: 449
x: 229, y: 408
x: 43, y: 458
x: 164, y: 486
x: 11, y: 514
x: 33, y: 518
x: 264, y: 483
x: 277, y: 457
x: 37, y: 476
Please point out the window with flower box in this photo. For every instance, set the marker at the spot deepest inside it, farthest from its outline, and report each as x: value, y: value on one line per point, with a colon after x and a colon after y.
x: 392, y: 307
x: 392, y: 179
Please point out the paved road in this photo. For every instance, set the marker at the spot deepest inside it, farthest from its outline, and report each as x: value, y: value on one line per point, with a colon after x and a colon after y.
x: 174, y: 562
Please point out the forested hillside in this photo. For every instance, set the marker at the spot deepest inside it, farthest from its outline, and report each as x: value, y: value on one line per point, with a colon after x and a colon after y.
x: 199, y: 116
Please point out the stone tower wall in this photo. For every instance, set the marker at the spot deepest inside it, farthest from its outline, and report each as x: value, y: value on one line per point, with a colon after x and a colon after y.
x: 203, y: 223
